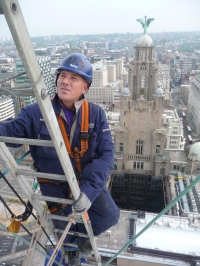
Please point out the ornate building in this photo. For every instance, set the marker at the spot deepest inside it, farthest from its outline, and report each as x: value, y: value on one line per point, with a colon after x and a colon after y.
x: 143, y: 71
x: 140, y: 135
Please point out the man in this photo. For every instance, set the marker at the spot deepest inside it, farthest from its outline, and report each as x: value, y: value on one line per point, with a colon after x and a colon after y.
x: 73, y: 80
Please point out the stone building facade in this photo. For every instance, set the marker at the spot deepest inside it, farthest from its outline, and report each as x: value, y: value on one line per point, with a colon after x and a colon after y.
x: 140, y: 136
x: 143, y: 71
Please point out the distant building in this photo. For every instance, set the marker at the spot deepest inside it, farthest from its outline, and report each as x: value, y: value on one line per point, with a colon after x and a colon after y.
x: 111, y: 73
x: 100, y: 75
x: 183, y: 62
x: 164, y: 75
x: 6, y: 108
x: 44, y: 63
x: 175, y: 136
x: 193, y: 104
x: 100, y: 95
x: 119, y: 66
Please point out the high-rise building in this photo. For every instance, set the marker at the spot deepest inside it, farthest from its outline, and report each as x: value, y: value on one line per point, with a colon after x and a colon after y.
x: 100, y: 75
x: 44, y: 63
x: 193, y: 104
x: 164, y: 75
x: 6, y: 108
x: 101, y: 92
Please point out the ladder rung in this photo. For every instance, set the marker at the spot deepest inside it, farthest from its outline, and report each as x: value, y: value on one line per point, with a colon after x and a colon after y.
x: 22, y: 171
x: 70, y: 244
x: 36, y: 142
x: 78, y: 219
x: 18, y: 92
x: 73, y: 233
x: 57, y: 200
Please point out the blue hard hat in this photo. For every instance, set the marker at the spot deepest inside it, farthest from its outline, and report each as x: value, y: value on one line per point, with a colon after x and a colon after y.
x: 79, y: 64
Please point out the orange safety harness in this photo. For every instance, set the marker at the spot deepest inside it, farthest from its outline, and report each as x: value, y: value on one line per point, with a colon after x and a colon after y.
x: 76, y: 154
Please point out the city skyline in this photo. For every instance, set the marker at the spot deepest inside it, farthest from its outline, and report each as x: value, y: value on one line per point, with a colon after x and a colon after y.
x: 43, y: 18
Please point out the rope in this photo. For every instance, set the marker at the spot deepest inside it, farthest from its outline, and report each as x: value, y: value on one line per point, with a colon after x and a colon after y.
x: 156, y: 218
x: 34, y: 240
x: 71, y: 220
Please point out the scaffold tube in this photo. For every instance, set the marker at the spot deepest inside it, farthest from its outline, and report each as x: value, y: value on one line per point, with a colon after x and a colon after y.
x: 156, y: 218
x: 18, y: 161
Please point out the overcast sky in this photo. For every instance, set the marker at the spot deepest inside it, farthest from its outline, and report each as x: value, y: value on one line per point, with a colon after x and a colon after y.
x: 63, y: 17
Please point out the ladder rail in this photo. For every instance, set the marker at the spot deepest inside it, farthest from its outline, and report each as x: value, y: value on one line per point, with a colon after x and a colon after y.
x: 18, y: 29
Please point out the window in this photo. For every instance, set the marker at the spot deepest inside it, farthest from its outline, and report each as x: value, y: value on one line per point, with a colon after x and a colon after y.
x: 157, y: 148
x: 176, y: 167
x: 139, y: 146
x: 138, y: 165
x: 121, y: 146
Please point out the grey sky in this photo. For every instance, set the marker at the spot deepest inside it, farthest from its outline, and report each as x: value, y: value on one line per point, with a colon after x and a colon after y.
x: 63, y: 17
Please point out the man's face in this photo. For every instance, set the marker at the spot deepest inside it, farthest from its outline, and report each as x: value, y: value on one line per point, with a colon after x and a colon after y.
x: 70, y: 87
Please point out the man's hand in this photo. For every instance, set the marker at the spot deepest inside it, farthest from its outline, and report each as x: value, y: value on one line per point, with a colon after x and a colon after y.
x: 82, y: 204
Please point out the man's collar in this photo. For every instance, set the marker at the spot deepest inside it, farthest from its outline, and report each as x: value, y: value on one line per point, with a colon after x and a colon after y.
x: 77, y: 104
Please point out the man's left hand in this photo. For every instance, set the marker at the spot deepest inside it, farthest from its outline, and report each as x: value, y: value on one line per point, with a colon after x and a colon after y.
x: 82, y: 204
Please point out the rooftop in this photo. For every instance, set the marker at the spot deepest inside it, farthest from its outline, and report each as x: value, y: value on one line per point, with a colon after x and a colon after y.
x: 173, y: 229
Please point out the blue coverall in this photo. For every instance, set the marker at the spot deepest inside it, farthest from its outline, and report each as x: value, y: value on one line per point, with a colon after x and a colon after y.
x: 96, y: 163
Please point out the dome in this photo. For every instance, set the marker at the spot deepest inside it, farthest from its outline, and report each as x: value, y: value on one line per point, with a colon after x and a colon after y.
x: 158, y: 92
x: 195, y: 148
x: 125, y: 91
x: 144, y: 40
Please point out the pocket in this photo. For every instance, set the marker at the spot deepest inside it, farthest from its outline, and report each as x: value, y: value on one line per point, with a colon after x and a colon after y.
x: 42, y: 151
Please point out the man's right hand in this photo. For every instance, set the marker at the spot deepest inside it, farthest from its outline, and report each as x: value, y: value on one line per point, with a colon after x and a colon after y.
x: 82, y: 204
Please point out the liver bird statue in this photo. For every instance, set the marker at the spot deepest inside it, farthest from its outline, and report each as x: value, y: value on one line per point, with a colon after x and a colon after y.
x: 145, y: 22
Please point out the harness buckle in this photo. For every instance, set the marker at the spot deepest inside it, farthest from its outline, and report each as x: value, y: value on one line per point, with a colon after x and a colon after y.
x: 84, y: 136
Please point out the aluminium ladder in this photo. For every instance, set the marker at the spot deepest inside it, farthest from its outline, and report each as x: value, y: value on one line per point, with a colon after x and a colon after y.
x: 14, y: 17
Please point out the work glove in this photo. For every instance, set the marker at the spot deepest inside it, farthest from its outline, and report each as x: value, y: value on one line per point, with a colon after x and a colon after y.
x: 82, y: 204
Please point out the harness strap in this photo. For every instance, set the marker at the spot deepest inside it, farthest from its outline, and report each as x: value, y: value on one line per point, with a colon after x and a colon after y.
x: 84, y: 136
x: 84, y: 128
x: 77, y: 159
x: 44, y: 180
x: 56, y: 207
x: 64, y: 134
